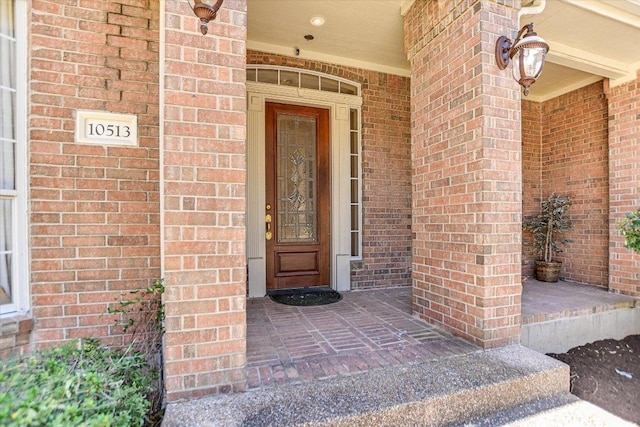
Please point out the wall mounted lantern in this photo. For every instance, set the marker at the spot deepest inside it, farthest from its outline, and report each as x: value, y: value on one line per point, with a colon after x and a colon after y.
x: 205, y: 12
x: 528, y: 53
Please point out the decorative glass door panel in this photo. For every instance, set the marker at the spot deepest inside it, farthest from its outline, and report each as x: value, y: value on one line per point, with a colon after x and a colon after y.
x: 297, y: 190
x: 297, y: 162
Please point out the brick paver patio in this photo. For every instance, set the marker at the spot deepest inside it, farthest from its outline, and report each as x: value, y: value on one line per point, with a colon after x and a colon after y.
x: 374, y: 328
x: 365, y: 330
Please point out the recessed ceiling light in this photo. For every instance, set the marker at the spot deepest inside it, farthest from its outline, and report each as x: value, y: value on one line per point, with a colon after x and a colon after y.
x: 317, y: 21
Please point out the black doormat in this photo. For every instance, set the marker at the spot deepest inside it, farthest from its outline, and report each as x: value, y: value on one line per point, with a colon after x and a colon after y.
x: 305, y: 296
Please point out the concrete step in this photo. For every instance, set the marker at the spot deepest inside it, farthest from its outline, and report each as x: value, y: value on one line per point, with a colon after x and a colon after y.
x: 446, y: 391
x: 560, y: 410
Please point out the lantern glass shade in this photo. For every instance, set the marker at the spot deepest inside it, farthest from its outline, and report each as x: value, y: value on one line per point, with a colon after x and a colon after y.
x: 529, y: 57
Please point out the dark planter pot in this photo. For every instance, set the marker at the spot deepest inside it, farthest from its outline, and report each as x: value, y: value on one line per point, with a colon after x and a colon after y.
x: 548, y: 271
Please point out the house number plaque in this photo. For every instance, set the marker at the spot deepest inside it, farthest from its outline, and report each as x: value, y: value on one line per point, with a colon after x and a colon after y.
x: 100, y: 127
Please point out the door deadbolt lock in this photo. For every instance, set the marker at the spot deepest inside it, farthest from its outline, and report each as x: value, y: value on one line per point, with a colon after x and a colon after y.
x: 267, y: 219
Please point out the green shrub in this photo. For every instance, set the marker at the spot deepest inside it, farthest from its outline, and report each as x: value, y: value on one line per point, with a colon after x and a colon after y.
x: 76, y: 384
x: 630, y: 229
x: 140, y: 314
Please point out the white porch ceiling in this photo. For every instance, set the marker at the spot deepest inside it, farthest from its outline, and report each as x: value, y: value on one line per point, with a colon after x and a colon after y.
x: 589, y: 39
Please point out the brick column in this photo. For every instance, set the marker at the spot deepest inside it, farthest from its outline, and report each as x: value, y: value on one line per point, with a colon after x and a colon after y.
x: 467, y: 170
x: 203, y: 173
x: 624, y: 182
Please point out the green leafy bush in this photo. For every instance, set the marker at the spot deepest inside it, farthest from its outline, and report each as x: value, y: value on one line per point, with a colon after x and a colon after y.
x: 140, y: 314
x: 630, y: 229
x: 76, y: 384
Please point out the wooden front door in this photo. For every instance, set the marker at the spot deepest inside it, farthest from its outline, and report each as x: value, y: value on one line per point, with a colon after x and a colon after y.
x: 297, y: 196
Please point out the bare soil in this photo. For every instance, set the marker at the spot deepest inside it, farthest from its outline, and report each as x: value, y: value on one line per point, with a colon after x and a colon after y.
x: 607, y: 374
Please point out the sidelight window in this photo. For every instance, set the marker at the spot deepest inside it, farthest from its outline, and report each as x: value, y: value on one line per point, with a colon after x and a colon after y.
x: 13, y: 228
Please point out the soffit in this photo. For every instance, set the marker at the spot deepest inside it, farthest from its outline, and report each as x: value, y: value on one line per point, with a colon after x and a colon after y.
x: 589, y: 39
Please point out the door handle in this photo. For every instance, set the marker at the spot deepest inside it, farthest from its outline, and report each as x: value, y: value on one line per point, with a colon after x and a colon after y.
x: 267, y: 219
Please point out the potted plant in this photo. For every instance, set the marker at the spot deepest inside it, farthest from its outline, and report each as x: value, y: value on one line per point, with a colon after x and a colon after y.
x: 630, y: 229
x: 545, y: 228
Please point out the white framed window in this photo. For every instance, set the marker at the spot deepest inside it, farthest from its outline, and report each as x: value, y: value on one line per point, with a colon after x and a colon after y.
x: 14, y: 285
x: 355, y: 183
x: 304, y: 79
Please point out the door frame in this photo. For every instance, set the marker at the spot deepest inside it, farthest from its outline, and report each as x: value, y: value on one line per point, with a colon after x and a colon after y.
x: 339, y: 106
x: 305, y: 262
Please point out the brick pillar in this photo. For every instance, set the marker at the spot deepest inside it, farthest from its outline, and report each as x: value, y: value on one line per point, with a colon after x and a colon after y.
x: 203, y: 173
x: 624, y: 182
x: 467, y: 170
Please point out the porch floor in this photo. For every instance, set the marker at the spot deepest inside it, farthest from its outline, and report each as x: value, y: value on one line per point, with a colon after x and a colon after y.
x: 364, y: 331
x: 371, y: 329
x: 543, y: 301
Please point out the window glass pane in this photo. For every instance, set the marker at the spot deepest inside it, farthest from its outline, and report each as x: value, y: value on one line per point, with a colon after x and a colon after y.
x: 268, y: 76
x: 6, y: 250
x: 308, y: 81
x: 329, y: 85
x: 355, y: 219
x: 353, y: 119
x: 354, y: 166
x: 7, y: 108
x: 354, y: 191
x: 354, y: 143
x: 6, y: 19
x: 251, y: 74
x: 8, y: 61
x: 289, y: 78
x: 355, y: 244
x: 7, y: 166
x: 348, y: 89
x: 7, y: 96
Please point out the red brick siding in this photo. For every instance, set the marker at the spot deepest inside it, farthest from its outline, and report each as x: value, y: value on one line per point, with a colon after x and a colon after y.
x: 574, y: 160
x: 624, y: 182
x: 15, y: 334
x: 204, y: 173
x: 532, y: 123
x: 94, y: 220
x: 386, y: 170
x: 467, y: 171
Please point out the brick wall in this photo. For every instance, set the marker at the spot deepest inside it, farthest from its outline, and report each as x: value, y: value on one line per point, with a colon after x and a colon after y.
x: 204, y: 175
x: 532, y: 123
x: 15, y: 335
x: 467, y: 171
x: 94, y: 208
x: 624, y: 182
x: 386, y: 170
x: 573, y: 159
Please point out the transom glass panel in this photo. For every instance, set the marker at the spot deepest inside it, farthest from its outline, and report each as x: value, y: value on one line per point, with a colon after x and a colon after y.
x: 301, y: 78
x: 296, y: 180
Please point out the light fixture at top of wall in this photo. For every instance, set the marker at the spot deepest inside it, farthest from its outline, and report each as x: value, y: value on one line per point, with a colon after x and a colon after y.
x: 205, y: 12
x: 317, y: 21
x: 528, y: 53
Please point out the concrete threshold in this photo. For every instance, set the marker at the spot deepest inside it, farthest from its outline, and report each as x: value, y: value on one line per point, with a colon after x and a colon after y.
x: 447, y: 391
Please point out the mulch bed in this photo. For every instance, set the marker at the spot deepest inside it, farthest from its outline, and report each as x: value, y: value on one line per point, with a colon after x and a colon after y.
x: 607, y: 374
